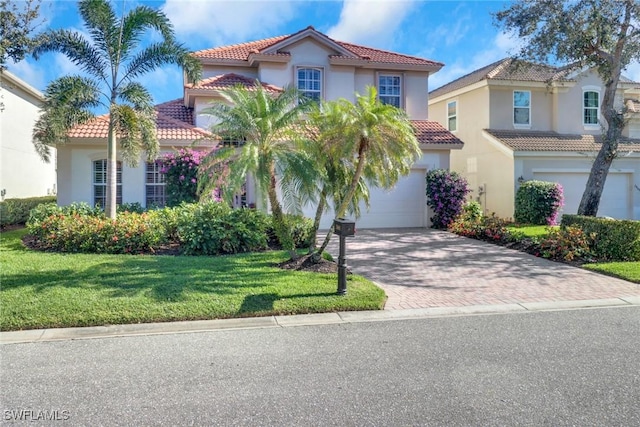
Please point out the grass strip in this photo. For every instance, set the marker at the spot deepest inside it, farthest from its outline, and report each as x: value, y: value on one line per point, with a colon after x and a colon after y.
x: 45, y: 290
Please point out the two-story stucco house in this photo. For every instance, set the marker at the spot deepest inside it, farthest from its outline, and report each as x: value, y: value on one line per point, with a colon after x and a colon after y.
x: 321, y: 68
x: 528, y: 121
x: 22, y: 172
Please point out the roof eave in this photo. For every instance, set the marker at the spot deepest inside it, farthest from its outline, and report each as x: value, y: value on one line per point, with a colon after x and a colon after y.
x: 256, y: 58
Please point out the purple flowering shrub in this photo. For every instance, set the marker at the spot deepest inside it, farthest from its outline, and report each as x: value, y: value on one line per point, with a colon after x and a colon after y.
x: 538, y: 202
x: 180, y: 170
x: 446, y: 193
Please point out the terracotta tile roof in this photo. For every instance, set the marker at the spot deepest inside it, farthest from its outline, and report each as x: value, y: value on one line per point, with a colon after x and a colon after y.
x: 228, y: 80
x: 241, y: 52
x: 174, y: 121
x: 507, y: 69
x: 527, y: 140
x: 433, y: 133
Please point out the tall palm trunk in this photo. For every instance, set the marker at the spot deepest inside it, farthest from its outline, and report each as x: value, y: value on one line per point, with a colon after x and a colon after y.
x: 316, y: 221
x: 112, y: 167
x: 279, y: 223
x: 362, y: 151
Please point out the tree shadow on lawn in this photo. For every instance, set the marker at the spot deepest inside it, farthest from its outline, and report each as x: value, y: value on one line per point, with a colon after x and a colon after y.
x: 167, y: 279
x: 258, y: 303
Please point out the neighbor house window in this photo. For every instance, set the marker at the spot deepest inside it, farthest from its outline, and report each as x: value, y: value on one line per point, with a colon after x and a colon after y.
x: 590, y: 102
x: 100, y: 183
x: 154, y: 185
x: 521, y: 108
x: 310, y: 83
x: 452, y: 116
x: 389, y: 89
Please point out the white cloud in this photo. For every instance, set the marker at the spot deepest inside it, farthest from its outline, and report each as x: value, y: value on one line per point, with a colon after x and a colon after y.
x: 222, y: 22
x: 371, y: 23
x: 632, y: 71
x: 28, y: 71
x: 502, y: 46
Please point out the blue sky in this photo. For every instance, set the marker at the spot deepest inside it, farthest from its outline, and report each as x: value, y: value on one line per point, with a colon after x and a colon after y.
x: 458, y: 33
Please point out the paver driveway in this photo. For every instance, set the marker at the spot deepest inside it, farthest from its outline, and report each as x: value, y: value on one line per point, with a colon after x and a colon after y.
x: 420, y: 268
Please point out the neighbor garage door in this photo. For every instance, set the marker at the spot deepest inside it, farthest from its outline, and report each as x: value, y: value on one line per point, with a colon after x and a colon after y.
x: 403, y: 206
x: 616, y: 198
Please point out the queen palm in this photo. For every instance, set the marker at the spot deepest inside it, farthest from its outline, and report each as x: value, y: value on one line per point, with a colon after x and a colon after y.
x: 377, y: 137
x: 269, y: 126
x: 111, y: 59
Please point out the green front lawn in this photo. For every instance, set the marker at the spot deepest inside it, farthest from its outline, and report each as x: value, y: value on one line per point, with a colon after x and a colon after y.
x: 44, y: 290
x: 531, y: 230
x: 624, y: 270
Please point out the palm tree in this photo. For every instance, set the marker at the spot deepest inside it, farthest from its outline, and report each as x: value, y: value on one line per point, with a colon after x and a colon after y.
x: 335, y: 171
x: 269, y: 126
x: 111, y: 59
x: 378, y: 137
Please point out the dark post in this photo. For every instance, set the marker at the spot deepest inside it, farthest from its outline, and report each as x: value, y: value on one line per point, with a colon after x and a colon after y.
x: 342, y: 268
x: 343, y: 228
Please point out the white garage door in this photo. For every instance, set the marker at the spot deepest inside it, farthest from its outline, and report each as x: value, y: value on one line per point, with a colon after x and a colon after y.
x: 616, y: 197
x: 403, y: 206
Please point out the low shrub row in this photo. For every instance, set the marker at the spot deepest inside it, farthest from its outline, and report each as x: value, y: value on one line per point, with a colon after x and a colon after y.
x: 199, y: 229
x: 614, y: 240
x: 16, y: 211
x: 564, y: 244
x: 579, y: 238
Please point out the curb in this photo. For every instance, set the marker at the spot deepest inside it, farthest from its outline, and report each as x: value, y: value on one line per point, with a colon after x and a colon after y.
x: 343, y: 317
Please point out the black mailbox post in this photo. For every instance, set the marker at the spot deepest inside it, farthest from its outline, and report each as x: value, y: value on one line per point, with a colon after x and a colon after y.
x: 343, y: 228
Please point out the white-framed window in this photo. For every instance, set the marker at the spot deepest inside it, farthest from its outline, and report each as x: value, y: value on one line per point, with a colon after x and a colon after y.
x: 309, y: 82
x: 100, y: 183
x: 155, y: 195
x: 590, y: 107
x: 521, y: 108
x: 390, y: 89
x: 452, y: 116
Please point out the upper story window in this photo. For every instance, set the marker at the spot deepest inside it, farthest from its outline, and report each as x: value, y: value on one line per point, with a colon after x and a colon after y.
x: 522, y: 108
x: 452, y: 116
x: 310, y: 83
x: 154, y: 185
x: 100, y: 183
x: 389, y: 89
x: 590, y: 107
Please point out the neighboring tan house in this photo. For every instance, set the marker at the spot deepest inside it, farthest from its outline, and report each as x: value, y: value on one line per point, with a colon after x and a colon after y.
x: 536, y: 122
x: 22, y: 172
x: 321, y: 68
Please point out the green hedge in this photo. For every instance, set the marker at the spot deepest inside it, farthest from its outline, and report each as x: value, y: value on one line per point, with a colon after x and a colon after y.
x: 16, y: 211
x: 615, y: 240
x: 538, y: 202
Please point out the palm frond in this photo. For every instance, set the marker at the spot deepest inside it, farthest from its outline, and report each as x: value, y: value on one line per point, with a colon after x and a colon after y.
x: 137, y: 95
x: 104, y: 27
x: 137, y: 21
x: 76, y: 48
x: 137, y: 132
x: 68, y: 102
x: 157, y: 55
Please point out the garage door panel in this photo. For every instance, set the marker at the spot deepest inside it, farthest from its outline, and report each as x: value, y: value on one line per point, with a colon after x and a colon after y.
x: 403, y: 206
x: 616, y: 197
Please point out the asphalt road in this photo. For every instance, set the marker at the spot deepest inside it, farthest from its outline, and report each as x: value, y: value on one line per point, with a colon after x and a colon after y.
x: 579, y: 367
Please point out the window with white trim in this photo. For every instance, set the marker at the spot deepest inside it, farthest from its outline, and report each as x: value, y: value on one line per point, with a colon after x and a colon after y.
x: 100, y: 183
x: 452, y: 116
x: 521, y: 108
x: 309, y: 82
x: 390, y: 89
x: 155, y: 184
x: 590, y: 103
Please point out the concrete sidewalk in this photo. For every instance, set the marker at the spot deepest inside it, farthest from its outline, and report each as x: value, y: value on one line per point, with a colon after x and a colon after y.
x: 113, y: 331
x: 421, y: 268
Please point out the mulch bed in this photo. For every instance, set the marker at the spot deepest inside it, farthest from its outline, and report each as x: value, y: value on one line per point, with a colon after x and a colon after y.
x: 304, y: 263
